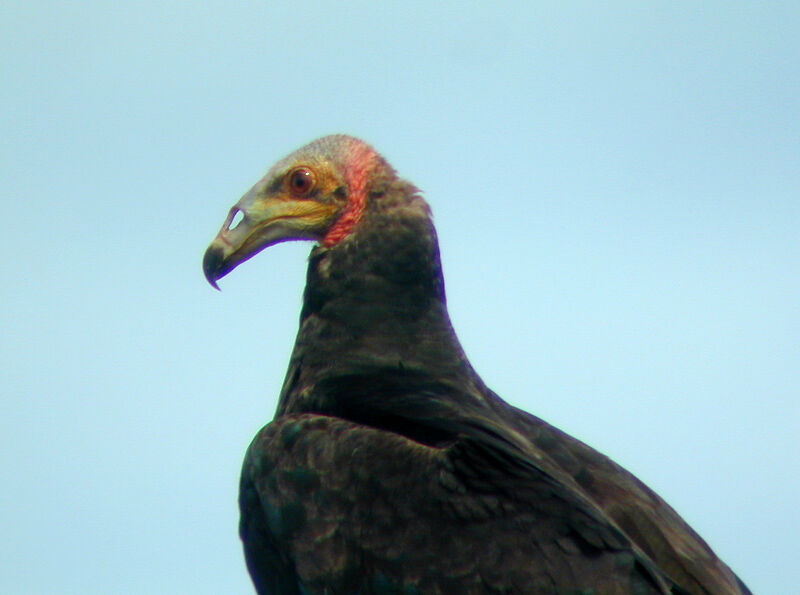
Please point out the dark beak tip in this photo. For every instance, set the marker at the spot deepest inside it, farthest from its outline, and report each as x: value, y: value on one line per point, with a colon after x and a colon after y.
x: 213, y: 263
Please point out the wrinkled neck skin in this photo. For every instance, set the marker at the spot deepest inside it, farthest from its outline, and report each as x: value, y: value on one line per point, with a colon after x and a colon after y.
x: 374, y: 317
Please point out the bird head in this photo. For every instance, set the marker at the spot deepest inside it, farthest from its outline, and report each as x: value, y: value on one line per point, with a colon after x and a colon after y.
x: 319, y: 192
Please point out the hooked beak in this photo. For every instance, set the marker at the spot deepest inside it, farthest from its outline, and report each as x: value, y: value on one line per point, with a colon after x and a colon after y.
x: 265, y: 220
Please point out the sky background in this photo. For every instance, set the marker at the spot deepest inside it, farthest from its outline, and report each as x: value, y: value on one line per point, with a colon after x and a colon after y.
x: 616, y: 188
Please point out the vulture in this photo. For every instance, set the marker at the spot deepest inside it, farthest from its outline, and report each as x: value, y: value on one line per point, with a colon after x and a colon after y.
x: 390, y: 467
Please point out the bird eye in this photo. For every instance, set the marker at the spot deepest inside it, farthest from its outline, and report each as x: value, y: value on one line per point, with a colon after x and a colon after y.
x: 301, y: 181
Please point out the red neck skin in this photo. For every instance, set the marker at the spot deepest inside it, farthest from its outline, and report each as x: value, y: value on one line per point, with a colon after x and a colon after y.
x: 361, y: 162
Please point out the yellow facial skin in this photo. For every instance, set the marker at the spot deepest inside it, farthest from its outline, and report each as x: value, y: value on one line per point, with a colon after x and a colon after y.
x: 276, y: 210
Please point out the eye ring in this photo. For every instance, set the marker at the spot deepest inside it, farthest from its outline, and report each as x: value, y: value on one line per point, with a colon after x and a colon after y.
x: 300, y: 181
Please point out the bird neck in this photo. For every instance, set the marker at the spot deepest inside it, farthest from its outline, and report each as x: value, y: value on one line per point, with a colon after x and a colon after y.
x: 374, y: 312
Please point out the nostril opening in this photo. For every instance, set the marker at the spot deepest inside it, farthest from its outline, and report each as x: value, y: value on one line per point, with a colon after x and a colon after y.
x: 237, y: 218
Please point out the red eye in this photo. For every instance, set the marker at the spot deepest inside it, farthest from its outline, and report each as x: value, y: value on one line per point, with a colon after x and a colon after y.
x: 301, y: 181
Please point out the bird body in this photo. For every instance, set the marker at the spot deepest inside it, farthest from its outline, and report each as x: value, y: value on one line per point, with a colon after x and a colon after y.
x: 390, y: 467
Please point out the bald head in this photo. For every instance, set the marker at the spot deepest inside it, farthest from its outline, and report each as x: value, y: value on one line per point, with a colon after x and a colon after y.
x: 318, y: 192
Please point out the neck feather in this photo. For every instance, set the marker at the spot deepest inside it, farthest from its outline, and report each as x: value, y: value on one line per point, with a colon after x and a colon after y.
x: 375, y: 305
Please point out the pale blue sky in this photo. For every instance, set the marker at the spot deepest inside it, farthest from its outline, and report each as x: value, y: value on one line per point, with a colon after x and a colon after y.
x: 617, y: 192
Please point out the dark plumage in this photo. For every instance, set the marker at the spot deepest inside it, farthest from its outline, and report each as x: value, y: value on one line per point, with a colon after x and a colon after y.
x: 390, y: 467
